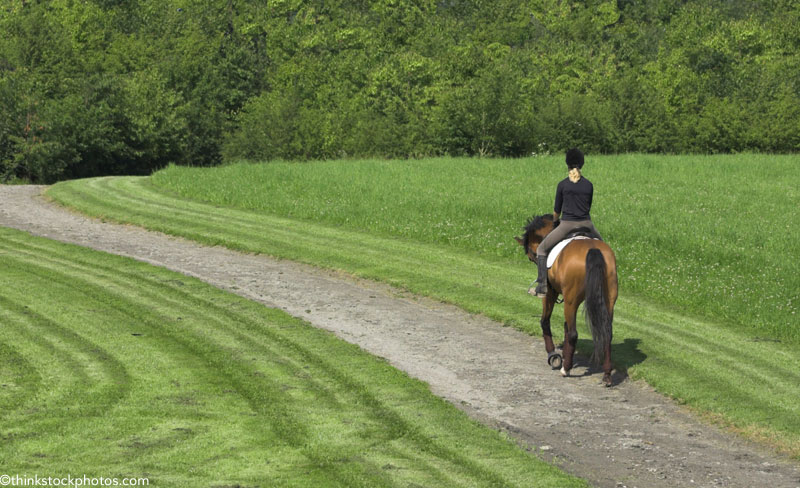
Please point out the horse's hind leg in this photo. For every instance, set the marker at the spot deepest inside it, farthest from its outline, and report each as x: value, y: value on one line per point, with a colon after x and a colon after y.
x: 548, y: 303
x: 570, y: 335
x: 607, y: 361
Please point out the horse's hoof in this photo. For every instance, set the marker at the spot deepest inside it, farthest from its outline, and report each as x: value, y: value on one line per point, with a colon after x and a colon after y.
x: 564, y: 372
x: 607, y: 380
x: 554, y: 360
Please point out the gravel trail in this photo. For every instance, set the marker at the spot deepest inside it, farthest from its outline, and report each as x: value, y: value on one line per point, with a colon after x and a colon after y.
x: 625, y: 436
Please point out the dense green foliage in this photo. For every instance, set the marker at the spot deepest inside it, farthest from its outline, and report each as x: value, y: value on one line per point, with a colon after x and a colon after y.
x: 114, y: 368
x: 702, y: 339
x: 112, y: 87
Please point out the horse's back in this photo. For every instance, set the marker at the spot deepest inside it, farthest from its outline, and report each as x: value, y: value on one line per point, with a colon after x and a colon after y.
x: 576, y: 252
x: 570, y: 266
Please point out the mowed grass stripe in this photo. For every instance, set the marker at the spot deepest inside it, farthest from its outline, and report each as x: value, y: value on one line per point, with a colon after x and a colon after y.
x: 85, y: 387
x: 91, y: 365
x: 705, y: 340
x: 309, y: 237
x: 783, y: 372
x: 295, y: 428
x: 65, y: 370
x: 22, y: 381
x: 224, y: 350
x: 284, y: 231
x: 339, y: 248
x: 294, y: 432
x: 736, y: 371
x: 115, y: 282
x: 649, y: 348
x: 120, y: 320
x: 328, y: 247
x: 20, y: 324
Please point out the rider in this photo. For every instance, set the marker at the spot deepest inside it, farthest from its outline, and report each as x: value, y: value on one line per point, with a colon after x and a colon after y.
x: 573, y: 203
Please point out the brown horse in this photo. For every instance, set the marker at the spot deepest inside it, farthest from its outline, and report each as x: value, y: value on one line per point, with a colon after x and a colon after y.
x: 586, y: 269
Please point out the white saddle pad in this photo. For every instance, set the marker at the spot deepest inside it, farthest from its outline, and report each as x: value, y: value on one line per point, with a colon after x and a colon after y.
x: 551, y: 258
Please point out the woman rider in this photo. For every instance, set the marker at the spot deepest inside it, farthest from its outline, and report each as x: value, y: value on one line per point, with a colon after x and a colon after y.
x: 573, y: 203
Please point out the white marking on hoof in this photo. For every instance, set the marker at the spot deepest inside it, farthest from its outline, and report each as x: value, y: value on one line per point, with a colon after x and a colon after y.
x: 564, y: 372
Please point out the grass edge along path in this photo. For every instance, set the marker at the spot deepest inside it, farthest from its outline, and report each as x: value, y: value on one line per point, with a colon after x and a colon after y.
x: 749, y: 386
x: 112, y: 366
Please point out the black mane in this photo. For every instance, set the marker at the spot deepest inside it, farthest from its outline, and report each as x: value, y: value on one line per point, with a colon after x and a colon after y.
x: 534, y: 224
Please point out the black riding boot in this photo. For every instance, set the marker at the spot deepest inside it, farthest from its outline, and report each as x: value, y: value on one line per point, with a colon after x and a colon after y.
x: 541, y: 287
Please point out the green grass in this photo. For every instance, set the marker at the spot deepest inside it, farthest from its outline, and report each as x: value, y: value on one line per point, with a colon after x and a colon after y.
x: 114, y: 368
x: 700, y: 317
x: 716, y: 235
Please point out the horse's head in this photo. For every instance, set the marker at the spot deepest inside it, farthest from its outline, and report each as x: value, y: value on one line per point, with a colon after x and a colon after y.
x: 535, y: 231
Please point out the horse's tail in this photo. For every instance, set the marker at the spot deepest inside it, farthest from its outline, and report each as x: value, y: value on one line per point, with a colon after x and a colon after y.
x: 596, y: 306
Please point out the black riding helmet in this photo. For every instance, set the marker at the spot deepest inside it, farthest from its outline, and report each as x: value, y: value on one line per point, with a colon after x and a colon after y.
x: 574, y: 158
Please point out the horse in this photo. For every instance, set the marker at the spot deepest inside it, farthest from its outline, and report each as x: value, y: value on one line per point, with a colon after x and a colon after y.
x: 585, y: 270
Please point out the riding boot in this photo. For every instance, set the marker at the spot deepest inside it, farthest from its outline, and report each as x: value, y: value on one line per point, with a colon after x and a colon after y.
x: 541, y: 287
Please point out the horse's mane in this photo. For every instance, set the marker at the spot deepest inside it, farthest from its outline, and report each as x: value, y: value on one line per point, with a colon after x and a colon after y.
x: 534, y: 224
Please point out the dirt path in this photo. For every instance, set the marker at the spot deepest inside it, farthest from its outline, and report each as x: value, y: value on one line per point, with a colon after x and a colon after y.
x: 623, y: 436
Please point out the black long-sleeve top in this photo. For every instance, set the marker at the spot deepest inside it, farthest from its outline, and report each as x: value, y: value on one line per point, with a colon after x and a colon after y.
x: 574, y: 200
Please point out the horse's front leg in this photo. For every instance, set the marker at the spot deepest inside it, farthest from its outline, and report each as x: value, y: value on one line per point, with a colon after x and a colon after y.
x: 570, y: 335
x: 548, y: 303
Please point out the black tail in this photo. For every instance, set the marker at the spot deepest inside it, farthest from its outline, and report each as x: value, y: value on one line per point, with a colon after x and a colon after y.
x: 596, y: 306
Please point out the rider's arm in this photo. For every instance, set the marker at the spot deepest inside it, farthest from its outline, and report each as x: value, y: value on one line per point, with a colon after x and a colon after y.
x: 559, y: 202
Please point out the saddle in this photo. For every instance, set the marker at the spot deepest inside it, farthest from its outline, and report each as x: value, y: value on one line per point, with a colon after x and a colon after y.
x: 579, y: 233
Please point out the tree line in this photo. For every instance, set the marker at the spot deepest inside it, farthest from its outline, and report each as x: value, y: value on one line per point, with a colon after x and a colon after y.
x: 98, y: 87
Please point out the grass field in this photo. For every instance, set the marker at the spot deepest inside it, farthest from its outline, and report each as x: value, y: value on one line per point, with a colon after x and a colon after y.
x: 708, y: 303
x: 113, y: 368
x: 714, y: 234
